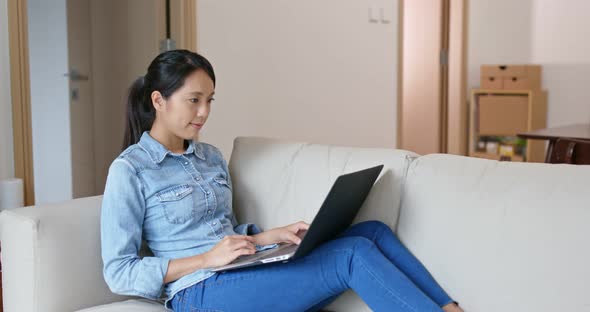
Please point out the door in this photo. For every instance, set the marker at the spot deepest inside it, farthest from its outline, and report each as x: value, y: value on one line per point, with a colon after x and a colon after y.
x: 421, y: 76
x: 433, y: 108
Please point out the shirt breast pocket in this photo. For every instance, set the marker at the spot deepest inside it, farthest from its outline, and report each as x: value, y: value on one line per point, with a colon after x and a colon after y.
x: 223, y: 189
x: 177, y: 203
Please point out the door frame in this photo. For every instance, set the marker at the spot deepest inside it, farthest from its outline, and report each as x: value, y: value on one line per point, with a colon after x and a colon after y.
x: 20, y: 80
x: 183, y: 15
x: 453, y: 92
x: 21, y: 96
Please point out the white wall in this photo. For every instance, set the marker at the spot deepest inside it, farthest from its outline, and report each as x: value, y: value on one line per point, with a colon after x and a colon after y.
x: 6, y: 144
x: 546, y: 32
x: 559, y: 34
x: 307, y: 70
x: 50, y: 115
x: 499, y: 33
x: 560, y: 44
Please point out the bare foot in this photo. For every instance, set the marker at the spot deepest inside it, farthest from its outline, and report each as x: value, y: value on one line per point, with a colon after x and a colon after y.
x: 452, y: 307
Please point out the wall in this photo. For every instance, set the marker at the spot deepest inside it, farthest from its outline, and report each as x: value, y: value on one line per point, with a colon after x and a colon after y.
x: 6, y: 143
x: 301, y: 70
x: 559, y: 44
x: 50, y: 113
x: 546, y: 32
x: 499, y: 33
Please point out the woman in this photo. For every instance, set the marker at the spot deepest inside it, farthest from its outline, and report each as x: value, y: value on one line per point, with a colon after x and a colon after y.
x: 175, y: 194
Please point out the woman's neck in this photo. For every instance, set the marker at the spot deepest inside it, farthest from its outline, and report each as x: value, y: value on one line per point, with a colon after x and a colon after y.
x: 170, y: 141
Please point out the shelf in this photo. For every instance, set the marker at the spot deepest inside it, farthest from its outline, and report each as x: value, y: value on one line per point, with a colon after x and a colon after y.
x: 511, y: 92
x: 515, y: 158
x: 533, y: 113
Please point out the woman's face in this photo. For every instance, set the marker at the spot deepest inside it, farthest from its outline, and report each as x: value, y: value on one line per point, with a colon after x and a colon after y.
x: 185, y: 112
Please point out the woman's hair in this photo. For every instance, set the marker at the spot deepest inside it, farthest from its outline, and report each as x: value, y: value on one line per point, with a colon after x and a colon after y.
x: 166, y: 74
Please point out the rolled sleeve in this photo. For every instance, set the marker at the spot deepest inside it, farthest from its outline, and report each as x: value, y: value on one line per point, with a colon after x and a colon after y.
x: 250, y: 229
x: 246, y: 228
x: 122, y: 215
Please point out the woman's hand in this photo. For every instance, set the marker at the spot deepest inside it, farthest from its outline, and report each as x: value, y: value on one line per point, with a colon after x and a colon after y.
x: 228, y: 249
x: 285, y: 234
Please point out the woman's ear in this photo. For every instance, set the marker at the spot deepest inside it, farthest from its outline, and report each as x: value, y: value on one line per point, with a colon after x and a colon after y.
x: 158, y: 101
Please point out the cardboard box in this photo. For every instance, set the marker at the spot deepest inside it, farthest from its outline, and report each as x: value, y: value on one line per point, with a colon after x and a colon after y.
x: 511, y: 77
x: 492, y: 83
x: 502, y: 114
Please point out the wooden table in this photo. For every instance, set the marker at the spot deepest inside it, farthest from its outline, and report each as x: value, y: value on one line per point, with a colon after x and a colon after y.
x: 577, y: 132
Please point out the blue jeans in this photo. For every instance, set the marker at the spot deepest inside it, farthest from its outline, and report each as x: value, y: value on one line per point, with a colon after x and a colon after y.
x: 367, y: 257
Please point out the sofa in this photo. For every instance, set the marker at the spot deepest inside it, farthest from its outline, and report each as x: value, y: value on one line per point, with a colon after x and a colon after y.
x: 498, y: 236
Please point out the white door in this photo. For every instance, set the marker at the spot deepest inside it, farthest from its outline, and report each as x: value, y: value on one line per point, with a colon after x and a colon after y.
x: 50, y: 105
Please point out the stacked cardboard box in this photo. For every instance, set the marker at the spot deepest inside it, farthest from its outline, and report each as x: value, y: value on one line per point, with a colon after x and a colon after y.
x: 510, y: 101
x: 506, y: 114
x: 511, y: 77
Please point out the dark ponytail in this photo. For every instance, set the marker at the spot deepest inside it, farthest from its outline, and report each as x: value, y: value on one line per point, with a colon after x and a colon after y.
x: 166, y: 74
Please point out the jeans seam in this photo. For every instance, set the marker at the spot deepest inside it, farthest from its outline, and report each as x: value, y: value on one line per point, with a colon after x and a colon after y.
x: 195, y: 309
x: 361, y: 262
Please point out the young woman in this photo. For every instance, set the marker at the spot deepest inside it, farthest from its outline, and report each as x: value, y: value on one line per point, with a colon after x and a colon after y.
x: 175, y: 193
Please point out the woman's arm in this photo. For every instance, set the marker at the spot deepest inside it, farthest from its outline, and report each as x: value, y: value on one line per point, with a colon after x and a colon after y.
x: 178, y: 268
x: 121, y: 224
x: 224, y: 252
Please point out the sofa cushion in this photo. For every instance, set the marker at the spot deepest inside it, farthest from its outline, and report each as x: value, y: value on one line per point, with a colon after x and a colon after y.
x: 501, y: 236
x: 132, y: 305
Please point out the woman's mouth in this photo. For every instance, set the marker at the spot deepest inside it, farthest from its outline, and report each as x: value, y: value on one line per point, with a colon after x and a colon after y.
x: 196, y: 125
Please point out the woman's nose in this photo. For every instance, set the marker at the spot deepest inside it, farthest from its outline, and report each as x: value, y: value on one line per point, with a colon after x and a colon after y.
x: 203, y: 111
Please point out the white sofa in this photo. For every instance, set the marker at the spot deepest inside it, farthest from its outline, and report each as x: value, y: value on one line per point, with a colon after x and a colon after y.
x: 498, y: 236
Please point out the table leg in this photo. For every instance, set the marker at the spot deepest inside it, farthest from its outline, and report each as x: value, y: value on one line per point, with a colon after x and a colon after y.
x: 549, y: 151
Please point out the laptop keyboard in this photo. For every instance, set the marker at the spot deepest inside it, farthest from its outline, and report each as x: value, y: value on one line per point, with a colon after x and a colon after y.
x: 261, y: 254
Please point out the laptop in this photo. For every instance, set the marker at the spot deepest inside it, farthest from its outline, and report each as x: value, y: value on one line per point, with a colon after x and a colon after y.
x: 336, y: 214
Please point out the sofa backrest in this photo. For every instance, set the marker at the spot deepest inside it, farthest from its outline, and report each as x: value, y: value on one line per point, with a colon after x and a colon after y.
x: 501, y: 236
x: 277, y: 183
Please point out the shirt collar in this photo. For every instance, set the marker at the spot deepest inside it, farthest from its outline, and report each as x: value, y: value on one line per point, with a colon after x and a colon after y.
x: 158, y: 152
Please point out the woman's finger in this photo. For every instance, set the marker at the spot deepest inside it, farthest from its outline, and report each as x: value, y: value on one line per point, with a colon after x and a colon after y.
x: 303, y: 226
x: 242, y: 237
x: 296, y: 227
x: 242, y: 244
x: 293, y: 238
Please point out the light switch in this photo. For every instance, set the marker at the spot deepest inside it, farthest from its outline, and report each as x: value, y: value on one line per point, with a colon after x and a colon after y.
x: 384, y: 16
x: 373, y: 14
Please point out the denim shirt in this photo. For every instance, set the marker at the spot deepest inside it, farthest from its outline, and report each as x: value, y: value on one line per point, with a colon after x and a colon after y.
x: 179, y: 204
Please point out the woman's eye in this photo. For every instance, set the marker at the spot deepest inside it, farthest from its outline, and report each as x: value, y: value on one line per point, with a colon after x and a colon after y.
x: 194, y: 100
x: 211, y: 100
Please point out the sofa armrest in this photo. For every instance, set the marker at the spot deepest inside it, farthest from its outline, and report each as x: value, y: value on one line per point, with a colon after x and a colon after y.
x: 51, y: 257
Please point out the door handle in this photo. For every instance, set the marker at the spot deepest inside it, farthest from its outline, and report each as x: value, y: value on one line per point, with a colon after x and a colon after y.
x: 76, y: 76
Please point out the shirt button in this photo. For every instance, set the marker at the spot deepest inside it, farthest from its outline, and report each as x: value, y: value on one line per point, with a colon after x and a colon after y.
x: 214, y: 223
x: 208, y: 192
x: 208, y: 211
x: 198, y: 179
x: 186, y: 162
